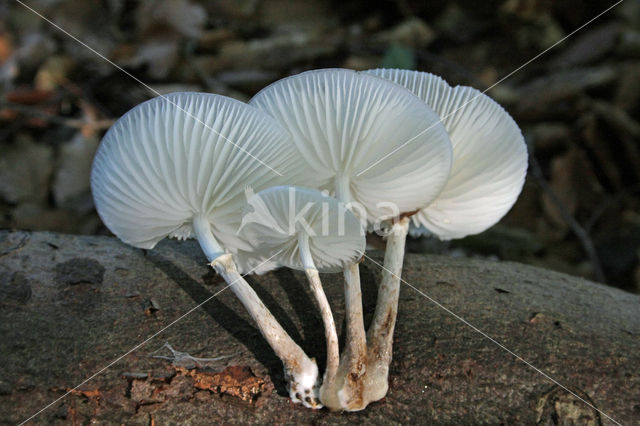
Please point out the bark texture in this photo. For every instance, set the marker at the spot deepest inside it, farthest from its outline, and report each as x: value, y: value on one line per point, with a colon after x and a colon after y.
x: 70, y: 305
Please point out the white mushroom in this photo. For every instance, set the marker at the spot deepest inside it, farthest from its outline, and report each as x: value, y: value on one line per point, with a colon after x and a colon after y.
x: 303, y: 229
x: 343, y: 123
x: 177, y: 165
x: 489, y: 156
x: 487, y: 175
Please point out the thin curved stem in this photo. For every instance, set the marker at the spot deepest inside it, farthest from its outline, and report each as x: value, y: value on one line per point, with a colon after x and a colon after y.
x: 208, y: 243
x: 331, y: 336
x: 305, y: 252
x: 301, y: 372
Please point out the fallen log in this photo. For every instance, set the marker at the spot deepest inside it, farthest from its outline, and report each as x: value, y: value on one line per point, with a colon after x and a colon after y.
x: 78, y: 307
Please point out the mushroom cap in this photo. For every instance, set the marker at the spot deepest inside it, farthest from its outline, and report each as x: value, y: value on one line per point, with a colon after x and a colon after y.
x: 384, y: 141
x: 274, y: 218
x: 160, y: 165
x: 489, y: 156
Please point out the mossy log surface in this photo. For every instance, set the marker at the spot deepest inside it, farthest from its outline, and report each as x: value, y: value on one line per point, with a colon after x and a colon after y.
x: 71, y: 305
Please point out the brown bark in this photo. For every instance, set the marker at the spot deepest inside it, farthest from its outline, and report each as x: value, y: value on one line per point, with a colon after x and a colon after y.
x: 70, y: 305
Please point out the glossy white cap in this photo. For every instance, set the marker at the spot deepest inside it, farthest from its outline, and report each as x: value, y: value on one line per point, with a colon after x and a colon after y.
x: 489, y: 156
x: 184, y: 155
x: 366, y: 139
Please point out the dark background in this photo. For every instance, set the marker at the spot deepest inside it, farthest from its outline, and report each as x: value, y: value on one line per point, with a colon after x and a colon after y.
x: 578, y: 105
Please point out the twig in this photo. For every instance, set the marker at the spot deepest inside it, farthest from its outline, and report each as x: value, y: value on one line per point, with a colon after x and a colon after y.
x: 578, y: 230
x: 178, y: 357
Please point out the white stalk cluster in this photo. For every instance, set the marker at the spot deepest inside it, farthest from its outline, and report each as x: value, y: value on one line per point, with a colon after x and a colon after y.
x: 448, y: 159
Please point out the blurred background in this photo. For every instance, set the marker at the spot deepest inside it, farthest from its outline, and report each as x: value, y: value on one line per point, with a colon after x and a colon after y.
x: 578, y: 105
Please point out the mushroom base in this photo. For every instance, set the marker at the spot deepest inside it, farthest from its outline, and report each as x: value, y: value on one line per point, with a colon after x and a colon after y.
x: 300, y: 371
x: 349, y: 392
x: 303, y: 384
x: 345, y: 392
x: 363, y: 374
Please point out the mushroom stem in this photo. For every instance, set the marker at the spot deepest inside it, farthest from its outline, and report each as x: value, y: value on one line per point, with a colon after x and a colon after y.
x: 380, y: 333
x: 305, y: 251
x: 354, y: 359
x: 348, y: 387
x: 345, y: 392
x: 331, y: 336
x: 342, y: 189
x: 301, y: 372
x: 208, y: 243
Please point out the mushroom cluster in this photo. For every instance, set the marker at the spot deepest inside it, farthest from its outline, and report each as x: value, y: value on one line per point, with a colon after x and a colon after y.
x: 330, y: 154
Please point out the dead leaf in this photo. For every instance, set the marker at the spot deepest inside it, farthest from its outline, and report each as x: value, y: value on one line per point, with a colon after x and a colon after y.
x: 238, y: 381
x: 91, y: 394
